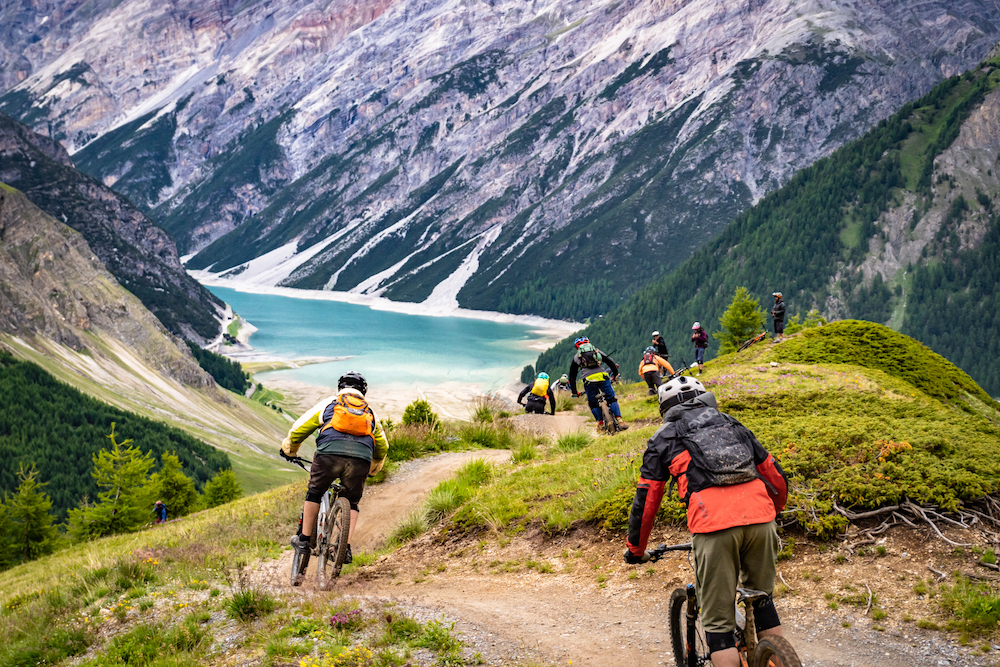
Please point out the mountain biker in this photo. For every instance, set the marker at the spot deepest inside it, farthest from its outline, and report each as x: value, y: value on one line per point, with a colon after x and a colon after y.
x: 778, y: 315
x: 160, y: 511
x: 733, y: 489
x: 649, y: 368
x: 700, y: 339
x: 351, y: 445
x: 536, y: 394
x: 661, y: 345
x: 562, y: 384
x: 589, y: 361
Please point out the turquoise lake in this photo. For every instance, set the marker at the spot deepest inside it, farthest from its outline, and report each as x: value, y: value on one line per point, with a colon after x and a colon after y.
x: 392, y: 350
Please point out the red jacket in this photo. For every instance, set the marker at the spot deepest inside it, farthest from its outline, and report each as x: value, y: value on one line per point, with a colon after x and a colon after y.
x: 710, y: 508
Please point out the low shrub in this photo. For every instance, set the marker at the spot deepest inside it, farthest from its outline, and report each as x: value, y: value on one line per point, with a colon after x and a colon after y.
x: 572, y: 442
x: 248, y: 604
x: 419, y: 412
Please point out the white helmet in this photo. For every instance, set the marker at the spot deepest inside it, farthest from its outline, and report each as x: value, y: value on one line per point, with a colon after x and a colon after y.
x: 678, y: 390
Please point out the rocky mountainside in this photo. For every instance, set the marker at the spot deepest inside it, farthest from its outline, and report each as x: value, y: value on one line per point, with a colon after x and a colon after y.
x: 54, y: 286
x: 901, y: 226
x: 139, y: 254
x: 60, y: 308
x: 542, y: 158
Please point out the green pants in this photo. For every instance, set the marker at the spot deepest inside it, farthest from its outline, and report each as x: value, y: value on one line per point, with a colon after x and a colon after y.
x: 742, y: 556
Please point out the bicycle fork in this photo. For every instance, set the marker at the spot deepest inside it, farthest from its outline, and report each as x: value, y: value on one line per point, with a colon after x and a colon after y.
x: 692, y: 618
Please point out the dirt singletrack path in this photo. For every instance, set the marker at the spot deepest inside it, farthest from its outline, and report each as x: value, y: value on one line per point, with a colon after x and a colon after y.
x: 384, y: 506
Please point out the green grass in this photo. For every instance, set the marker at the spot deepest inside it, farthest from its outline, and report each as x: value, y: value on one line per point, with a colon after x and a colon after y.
x: 864, y: 416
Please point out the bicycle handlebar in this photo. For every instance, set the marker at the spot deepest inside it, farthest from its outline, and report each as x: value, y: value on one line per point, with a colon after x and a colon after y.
x: 658, y: 553
x: 297, y: 460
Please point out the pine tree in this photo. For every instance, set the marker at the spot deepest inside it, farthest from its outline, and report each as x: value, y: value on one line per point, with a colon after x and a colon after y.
x: 222, y: 488
x: 28, y: 525
x: 742, y: 320
x: 172, y: 486
x: 121, y: 472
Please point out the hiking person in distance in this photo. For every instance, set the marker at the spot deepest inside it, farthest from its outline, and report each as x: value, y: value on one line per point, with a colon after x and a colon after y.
x: 536, y: 394
x: 160, y: 512
x: 661, y: 346
x: 700, y: 339
x: 649, y: 368
x: 778, y: 315
x: 589, y: 363
x: 350, y: 445
x: 733, y: 489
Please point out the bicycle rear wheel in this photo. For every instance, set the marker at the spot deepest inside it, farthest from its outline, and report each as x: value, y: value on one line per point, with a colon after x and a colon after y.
x: 775, y: 651
x: 610, y: 425
x: 686, y: 654
x: 333, y: 548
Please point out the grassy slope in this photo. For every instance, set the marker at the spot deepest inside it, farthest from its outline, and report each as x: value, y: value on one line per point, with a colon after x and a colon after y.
x: 852, y: 410
x: 244, y: 429
x: 172, y: 588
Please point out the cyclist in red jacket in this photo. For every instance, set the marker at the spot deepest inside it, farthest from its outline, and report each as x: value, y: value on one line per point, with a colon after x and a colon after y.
x: 733, y: 489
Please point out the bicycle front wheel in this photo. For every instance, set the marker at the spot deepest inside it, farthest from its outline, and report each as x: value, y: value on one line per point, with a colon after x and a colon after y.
x: 687, y: 653
x: 300, y: 561
x: 775, y: 651
x: 333, y: 550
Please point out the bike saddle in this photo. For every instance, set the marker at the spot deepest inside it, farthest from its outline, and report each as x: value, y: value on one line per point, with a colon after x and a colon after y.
x: 750, y: 595
x: 338, y: 488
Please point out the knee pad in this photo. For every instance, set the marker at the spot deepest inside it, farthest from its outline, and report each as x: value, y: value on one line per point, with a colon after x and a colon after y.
x: 354, y: 507
x: 314, y: 496
x: 765, y: 616
x: 720, y: 641
x: 612, y: 399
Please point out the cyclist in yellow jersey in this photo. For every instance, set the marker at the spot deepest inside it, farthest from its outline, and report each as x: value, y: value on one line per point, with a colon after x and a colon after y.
x: 351, y: 445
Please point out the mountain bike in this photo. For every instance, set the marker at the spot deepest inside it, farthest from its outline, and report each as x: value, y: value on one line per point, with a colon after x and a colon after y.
x: 329, y: 536
x: 756, y: 339
x: 688, y: 638
x: 612, y: 424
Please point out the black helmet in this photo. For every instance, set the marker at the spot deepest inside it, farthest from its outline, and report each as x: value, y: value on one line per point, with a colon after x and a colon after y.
x: 354, y: 380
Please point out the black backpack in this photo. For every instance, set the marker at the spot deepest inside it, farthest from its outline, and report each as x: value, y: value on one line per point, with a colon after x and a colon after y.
x: 589, y: 356
x: 719, y: 450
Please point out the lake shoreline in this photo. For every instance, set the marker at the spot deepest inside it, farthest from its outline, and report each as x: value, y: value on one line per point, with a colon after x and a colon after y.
x: 542, y: 325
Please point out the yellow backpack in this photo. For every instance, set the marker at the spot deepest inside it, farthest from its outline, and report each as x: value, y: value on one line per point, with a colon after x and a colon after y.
x: 351, y: 415
x: 541, y: 387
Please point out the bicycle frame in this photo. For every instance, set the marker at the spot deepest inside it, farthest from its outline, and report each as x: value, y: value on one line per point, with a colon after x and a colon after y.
x: 746, y: 632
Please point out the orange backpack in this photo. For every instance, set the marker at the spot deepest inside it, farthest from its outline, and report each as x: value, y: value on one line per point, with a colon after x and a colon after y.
x: 351, y: 415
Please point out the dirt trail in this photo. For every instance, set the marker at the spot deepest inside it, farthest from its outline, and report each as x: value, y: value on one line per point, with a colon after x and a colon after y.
x: 385, y: 505
x: 555, y: 425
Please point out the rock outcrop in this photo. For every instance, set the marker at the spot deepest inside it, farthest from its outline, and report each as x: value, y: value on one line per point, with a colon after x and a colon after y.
x: 53, y: 286
x: 139, y: 254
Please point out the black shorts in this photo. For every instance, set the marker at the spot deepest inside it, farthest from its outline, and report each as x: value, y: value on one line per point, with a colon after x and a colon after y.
x: 326, y: 468
x: 779, y: 326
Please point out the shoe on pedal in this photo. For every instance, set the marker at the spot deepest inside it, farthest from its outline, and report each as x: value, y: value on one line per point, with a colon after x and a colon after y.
x: 300, y: 543
x: 349, y: 558
x: 600, y: 427
x: 622, y: 426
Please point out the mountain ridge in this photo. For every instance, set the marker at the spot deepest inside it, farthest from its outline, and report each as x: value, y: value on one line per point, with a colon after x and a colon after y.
x: 484, y: 144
